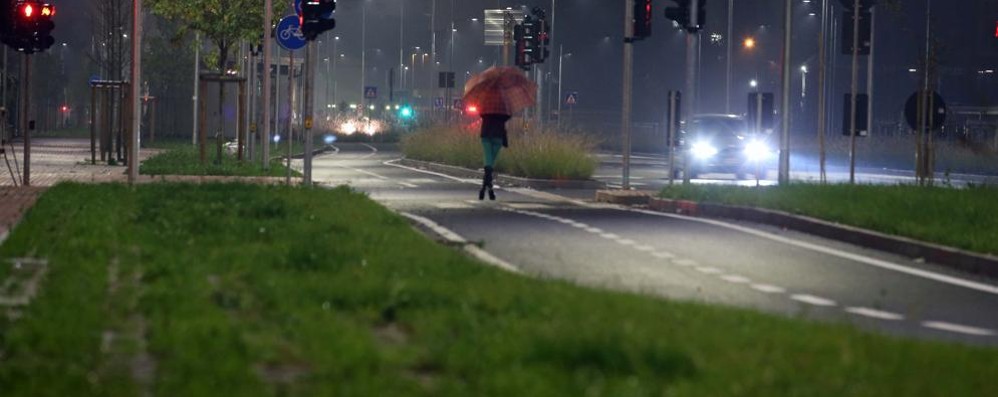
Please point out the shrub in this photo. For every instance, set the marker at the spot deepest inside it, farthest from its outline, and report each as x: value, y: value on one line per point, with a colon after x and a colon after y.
x: 545, y: 153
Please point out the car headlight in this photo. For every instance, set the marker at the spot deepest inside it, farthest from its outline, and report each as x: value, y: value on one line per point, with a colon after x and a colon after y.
x: 703, y: 150
x: 757, y: 150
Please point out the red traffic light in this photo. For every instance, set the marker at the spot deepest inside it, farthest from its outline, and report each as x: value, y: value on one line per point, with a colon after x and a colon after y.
x: 48, y: 10
x: 27, y: 10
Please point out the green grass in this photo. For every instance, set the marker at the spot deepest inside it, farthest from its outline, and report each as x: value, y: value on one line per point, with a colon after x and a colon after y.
x: 545, y: 154
x: 344, y: 298
x: 963, y: 218
x: 185, y: 160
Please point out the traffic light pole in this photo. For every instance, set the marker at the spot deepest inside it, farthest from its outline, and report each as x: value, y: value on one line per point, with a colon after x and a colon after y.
x: 784, y: 172
x: 23, y: 120
x: 852, y: 99
x: 822, y: 88
x: 625, y: 118
x: 692, y: 45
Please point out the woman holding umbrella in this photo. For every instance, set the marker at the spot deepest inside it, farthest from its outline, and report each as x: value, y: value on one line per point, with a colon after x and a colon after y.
x: 498, y: 93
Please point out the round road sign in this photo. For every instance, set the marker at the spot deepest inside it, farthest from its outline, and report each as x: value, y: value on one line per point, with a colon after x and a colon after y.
x: 938, y: 116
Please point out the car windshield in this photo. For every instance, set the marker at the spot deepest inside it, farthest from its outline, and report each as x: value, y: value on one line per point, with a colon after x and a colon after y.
x: 727, y: 128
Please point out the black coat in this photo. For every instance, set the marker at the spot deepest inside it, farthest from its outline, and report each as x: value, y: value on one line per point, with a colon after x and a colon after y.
x: 494, y: 126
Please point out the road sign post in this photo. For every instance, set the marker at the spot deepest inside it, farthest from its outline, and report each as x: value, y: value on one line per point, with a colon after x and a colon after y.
x: 673, y: 129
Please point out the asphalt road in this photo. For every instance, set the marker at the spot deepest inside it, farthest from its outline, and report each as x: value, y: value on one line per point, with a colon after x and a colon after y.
x: 550, y: 234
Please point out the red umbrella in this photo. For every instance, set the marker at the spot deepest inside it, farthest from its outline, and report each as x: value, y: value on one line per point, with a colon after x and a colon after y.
x: 500, y: 90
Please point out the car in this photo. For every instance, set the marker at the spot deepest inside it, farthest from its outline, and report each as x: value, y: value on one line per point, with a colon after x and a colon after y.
x: 724, y: 143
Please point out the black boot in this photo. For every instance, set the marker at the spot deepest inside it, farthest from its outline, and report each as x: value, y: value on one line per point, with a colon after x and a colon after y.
x: 489, y: 177
x: 486, y: 183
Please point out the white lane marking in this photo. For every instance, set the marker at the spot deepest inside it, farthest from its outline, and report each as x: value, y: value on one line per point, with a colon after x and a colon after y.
x: 472, y: 249
x: 735, y: 279
x: 529, y: 206
x: 392, y: 163
x: 955, y: 281
x: 685, y: 262
x: 610, y: 236
x: 663, y: 255
x: 452, y: 206
x: 436, y: 228
x: 812, y: 300
x: 769, y: 289
x: 626, y: 242
x: 594, y: 230
x: 645, y: 248
x: 374, y: 151
x: 709, y: 270
x: 961, y: 329
x: 874, y: 313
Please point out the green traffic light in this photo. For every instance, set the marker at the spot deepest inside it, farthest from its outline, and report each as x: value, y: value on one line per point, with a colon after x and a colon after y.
x: 405, y: 112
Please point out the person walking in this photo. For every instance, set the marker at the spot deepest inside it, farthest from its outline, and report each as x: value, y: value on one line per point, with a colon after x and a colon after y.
x: 498, y: 93
x: 494, y: 138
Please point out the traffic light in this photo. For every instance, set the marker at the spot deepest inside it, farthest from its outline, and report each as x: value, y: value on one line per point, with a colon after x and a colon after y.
x: 316, y: 17
x: 642, y: 19
x: 681, y: 14
x: 28, y: 26
x: 406, y: 112
x: 523, y: 37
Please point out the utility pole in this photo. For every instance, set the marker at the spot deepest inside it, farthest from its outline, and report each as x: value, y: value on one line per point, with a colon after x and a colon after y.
x: 561, y: 64
x: 625, y: 117
x: 852, y: 101
x: 785, y: 127
x: 401, y: 45
x: 822, y: 89
x: 363, y: 56
x: 727, y: 81
x: 136, y: 103
x: 870, y: 70
x: 308, y: 111
x: 265, y: 89
x: 23, y: 120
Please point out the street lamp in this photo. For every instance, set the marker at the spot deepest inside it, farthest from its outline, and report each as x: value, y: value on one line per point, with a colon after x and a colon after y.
x: 749, y: 43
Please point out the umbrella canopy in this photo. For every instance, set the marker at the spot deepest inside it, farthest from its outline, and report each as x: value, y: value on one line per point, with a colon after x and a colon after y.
x: 500, y: 90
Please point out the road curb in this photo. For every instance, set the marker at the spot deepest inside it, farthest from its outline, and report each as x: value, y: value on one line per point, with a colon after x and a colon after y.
x: 466, y: 173
x: 957, y: 259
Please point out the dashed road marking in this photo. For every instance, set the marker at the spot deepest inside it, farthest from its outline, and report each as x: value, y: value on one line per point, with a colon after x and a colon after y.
x: 874, y: 313
x: 528, y: 206
x: 645, y: 248
x: 594, y: 230
x: 709, y: 270
x: 735, y: 279
x: 769, y: 289
x: 960, y: 329
x: 685, y: 262
x: 663, y: 255
x: 610, y: 236
x: 626, y: 242
x: 812, y: 300
x: 452, y: 206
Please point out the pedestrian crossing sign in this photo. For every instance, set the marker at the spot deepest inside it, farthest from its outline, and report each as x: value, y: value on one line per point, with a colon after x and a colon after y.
x: 371, y: 92
x: 572, y: 98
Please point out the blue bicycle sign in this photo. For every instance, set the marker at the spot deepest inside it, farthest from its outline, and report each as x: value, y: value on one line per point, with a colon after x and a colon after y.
x: 289, y: 35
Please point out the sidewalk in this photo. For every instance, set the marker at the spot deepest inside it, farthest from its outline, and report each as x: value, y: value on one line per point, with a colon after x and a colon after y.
x: 55, y: 160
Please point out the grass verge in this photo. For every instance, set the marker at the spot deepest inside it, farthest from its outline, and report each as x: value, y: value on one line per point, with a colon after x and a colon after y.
x: 185, y: 160
x: 228, y: 289
x: 545, y: 154
x: 962, y: 218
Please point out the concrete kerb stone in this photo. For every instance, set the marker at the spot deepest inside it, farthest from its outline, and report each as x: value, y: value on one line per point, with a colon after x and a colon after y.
x: 466, y: 173
x: 965, y: 261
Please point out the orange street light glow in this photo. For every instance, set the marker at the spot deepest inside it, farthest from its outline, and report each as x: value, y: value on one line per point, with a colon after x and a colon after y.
x: 749, y: 43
